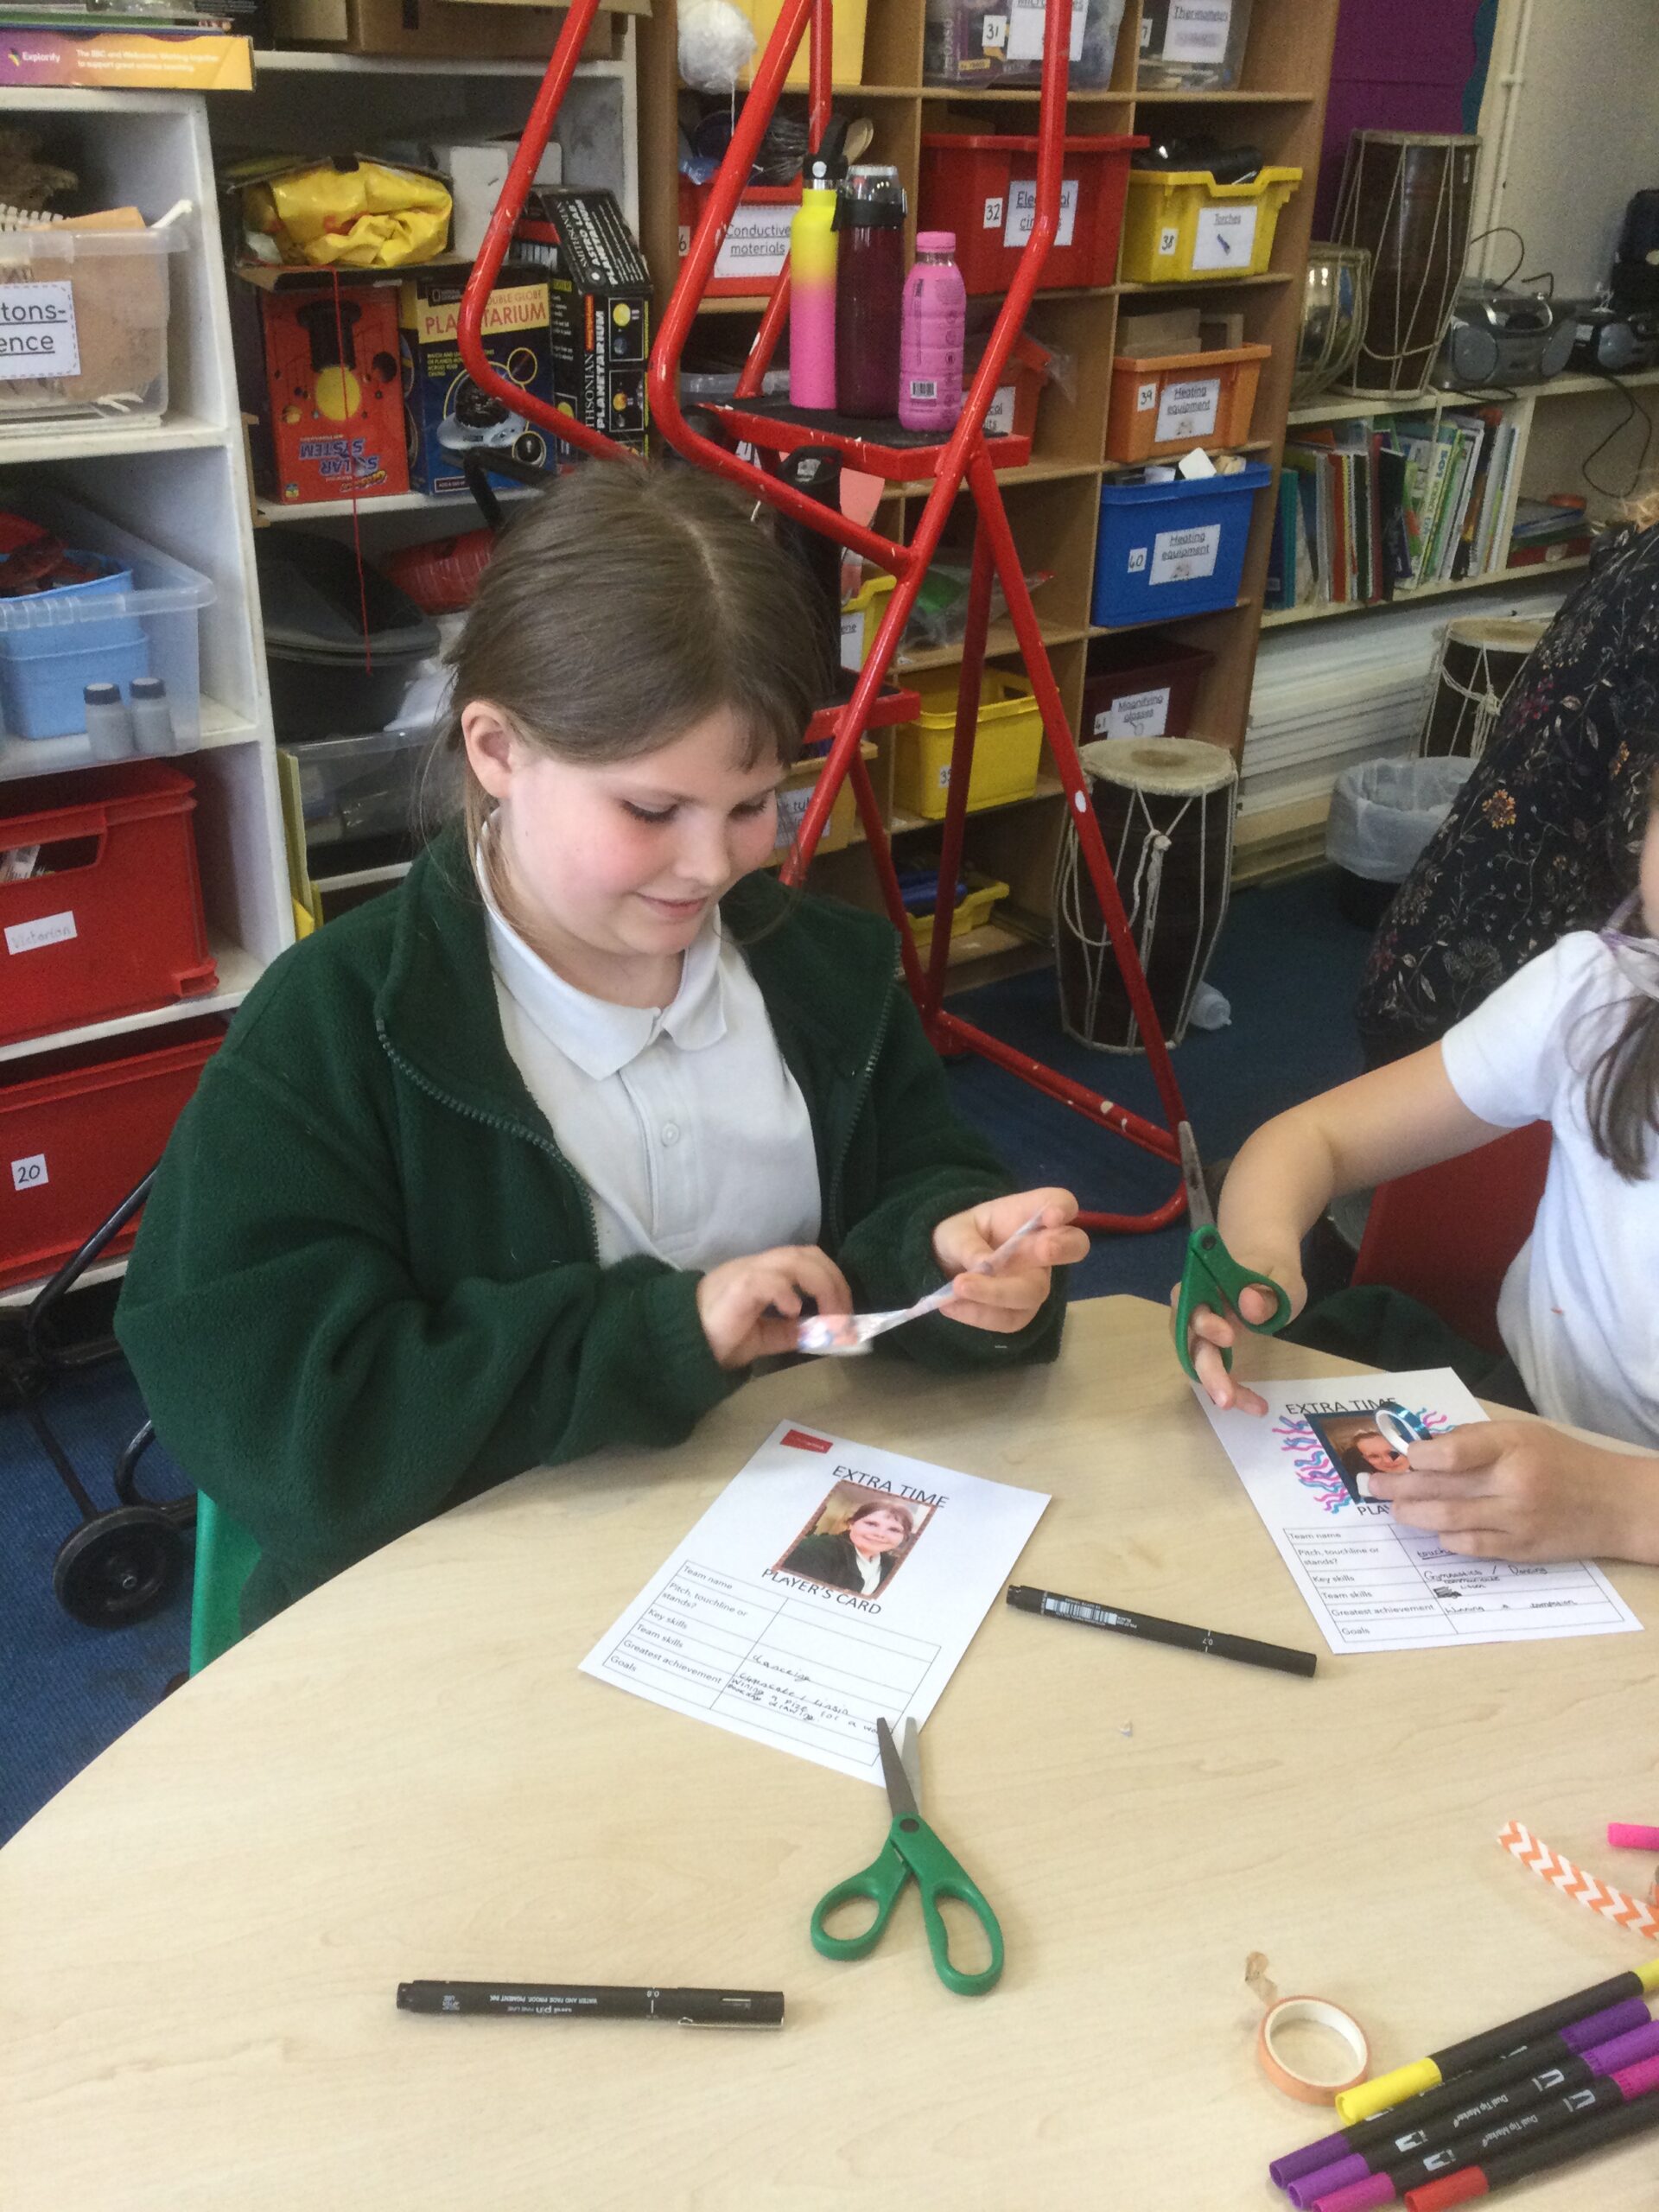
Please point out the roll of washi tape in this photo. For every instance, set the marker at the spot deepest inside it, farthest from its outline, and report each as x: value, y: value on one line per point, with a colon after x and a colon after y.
x: 1284, y: 2073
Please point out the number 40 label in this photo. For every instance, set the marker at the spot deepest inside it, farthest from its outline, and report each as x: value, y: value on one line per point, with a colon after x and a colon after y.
x: 29, y: 1174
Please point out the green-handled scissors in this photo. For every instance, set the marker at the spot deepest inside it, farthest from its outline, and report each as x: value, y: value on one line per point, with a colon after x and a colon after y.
x: 911, y: 1849
x: 1210, y: 1276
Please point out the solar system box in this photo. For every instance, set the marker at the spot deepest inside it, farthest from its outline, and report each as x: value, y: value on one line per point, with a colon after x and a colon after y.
x: 329, y: 421
x: 447, y: 415
x: 599, y: 295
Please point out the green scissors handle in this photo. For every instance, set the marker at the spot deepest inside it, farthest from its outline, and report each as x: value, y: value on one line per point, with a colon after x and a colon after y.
x: 911, y: 1849
x: 1212, y: 1277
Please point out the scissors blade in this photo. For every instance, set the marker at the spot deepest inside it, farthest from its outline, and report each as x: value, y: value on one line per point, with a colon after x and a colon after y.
x: 900, y: 1796
x: 1200, y: 1211
x: 910, y: 1757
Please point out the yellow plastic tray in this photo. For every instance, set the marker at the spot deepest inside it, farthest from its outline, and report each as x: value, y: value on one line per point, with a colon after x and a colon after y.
x: 1007, y: 749
x: 1181, y: 225
x: 983, y: 896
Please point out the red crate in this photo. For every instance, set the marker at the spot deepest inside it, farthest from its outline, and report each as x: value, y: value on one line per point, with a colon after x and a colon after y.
x: 985, y: 189
x: 118, y: 927
x: 78, y: 1130
x: 756, y: 243
x: 1142, y: 687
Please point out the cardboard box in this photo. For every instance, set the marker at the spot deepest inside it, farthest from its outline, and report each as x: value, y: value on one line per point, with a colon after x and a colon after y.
x: 331, y: 415
x: 477, y: 171
x: 446, y: 414
x: 499, y: 30
x: 1167, y: 330
x: 599, y: 298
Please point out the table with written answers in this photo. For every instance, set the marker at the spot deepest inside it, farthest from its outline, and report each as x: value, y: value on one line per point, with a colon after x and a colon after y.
x: 1383, y: 1583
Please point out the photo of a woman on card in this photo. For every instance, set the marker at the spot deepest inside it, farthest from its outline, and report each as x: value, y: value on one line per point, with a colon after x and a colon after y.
x: 863, y: 1554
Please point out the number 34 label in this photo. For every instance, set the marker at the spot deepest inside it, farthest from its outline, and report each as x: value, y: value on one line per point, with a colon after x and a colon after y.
x: 29, y: 1174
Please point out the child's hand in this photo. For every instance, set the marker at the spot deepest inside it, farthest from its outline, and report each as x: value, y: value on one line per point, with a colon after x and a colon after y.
x: 749, y: 1307
x: 1006, y: 1302
x: 1519, y: 1489
x: 1211, y: 1331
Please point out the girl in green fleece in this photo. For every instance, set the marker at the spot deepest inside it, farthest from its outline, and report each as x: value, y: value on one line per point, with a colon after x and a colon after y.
x: 540, y: 1153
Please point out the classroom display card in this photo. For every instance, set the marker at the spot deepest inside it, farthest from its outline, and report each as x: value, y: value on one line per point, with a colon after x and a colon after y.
x: 1372, y: 1583
x: 828, y: 1586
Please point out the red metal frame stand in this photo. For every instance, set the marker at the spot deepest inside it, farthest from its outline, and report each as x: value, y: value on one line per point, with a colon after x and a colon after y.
x: 969, y: 458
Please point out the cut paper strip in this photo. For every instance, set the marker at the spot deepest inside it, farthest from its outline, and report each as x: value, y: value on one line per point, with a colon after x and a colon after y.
x: 1572, y: 1881
x: 843, y: 1336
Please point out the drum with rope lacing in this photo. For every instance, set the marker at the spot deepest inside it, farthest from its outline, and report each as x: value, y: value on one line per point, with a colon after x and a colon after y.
x: 1480, y: 658
x: 1166, y: 808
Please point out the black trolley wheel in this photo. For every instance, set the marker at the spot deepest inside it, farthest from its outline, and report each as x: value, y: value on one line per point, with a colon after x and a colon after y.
x: 119, y: 1566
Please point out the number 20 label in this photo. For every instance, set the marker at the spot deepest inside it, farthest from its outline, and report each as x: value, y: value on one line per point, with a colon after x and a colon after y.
x: 29, y: 1174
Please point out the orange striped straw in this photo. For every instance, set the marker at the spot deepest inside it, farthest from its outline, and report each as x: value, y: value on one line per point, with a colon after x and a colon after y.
x: 1572, y: 1882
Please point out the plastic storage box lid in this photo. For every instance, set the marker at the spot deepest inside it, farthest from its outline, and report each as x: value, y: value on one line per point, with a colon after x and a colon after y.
x: 313, y: 597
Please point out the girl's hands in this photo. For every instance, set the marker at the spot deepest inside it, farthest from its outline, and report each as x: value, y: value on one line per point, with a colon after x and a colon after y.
x: 1519, y: 1490
x: 1212, y: 1331
x: 749, y: 1307
x: 1006, y: 1302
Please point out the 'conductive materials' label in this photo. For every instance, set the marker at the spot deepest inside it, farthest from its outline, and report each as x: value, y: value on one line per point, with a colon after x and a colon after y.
x: 46, y: 929
x: 37, y: 331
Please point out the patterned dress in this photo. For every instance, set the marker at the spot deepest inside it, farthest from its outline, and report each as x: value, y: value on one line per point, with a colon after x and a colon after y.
x: 1543, y: 837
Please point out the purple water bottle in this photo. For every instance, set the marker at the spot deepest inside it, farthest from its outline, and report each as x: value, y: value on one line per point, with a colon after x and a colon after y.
x: 935, y: 321
x: 869, y: 289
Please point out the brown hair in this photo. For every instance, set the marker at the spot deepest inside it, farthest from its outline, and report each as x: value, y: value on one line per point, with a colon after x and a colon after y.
x: 1623, y: 1096
x: 886, y: 1505
x: 622, y: 607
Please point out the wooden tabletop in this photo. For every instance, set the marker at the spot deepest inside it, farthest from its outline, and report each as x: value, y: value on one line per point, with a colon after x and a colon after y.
x: 405, y: 1775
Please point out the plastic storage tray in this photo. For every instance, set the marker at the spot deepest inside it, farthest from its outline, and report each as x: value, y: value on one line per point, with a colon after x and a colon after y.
x: 90, y: 309
x: 1191, y: 45
x: 357, y: 787
x: 794, y: 795
x: 140, y: 621
x: 965, y: 42
x: 1176, y: 549
x: 116, y: 927
x: 1183, y: 226
x: 847, y: 58
x: 984, y: 188
x: 972, y: 912
x: 78, y: 1130
x: 1169, y: 402
x: 1141, y: 687
x: 1008, y: 747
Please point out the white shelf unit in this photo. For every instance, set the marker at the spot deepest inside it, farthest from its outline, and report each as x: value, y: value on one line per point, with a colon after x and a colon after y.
x: 181, y: 486
x: 1559, y: 424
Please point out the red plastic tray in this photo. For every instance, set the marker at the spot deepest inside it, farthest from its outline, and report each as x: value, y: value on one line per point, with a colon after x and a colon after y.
x: 984, y: 189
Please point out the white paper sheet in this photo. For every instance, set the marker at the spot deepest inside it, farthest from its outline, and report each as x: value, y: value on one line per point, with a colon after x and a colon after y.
x: 728, y: 1633
x: 1372, y: 1583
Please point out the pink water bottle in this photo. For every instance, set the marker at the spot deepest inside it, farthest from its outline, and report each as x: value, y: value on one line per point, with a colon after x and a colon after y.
x: 930, y: 338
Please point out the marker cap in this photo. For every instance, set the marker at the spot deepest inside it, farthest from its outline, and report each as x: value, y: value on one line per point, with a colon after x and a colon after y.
x: 1325, y: 2180
x: 1358, y: 2196
x: 1631, y: 1835
x: 1385, y: 2089
x: 1295, y: 2164
x: 1450, y: 2189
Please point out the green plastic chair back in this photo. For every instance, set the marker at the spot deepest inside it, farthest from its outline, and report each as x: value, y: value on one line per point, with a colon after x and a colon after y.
x: 226, y: 1555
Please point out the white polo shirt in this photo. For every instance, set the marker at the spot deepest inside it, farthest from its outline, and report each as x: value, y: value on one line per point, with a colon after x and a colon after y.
x: 683, y: 1121
x: 1578, y: 1310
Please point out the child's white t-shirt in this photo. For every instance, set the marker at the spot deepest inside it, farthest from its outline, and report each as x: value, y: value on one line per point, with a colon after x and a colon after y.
x: 1580, y: 1306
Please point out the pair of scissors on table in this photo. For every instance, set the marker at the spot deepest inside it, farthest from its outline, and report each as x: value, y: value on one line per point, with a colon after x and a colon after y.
x: 911, y: 1849
x: 1210, y: 1275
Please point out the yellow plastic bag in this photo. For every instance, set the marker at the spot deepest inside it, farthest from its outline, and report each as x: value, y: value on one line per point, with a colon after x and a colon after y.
x: 367, y: 216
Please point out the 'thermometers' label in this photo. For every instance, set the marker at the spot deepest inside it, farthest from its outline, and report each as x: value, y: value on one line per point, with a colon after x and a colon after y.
x: 37, y: 331
x: 1197, y: 31
x: 47, y: 929
x: 1180, y: 557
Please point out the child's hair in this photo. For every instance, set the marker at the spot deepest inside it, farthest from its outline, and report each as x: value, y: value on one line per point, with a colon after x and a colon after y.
x: 1623, y: 1096
x: 622, y: 607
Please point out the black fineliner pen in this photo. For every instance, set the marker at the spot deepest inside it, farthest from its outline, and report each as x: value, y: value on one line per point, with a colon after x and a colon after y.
x: 575, y: 2000
x: 1218, y: 1645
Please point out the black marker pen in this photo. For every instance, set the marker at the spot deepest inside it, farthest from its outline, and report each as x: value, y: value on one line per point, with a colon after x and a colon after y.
x: 1212, y: 1641
x: 575, y: 2000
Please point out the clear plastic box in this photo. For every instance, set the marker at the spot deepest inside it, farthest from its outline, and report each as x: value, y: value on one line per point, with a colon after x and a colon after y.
x: 967, y: 42
x: 142, y: 620
x: 83, y: 324
x: 1192, y: 46
x: 357, y: 787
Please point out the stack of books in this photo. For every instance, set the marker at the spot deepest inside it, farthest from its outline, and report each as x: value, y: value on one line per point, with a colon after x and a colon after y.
x: 1391, y: 504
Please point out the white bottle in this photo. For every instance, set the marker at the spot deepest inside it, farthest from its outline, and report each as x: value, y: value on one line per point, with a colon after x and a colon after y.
x: 109, y: 727
x: 152, y: 717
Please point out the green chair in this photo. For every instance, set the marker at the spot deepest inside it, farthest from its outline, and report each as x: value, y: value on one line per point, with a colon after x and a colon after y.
x: 226, y: 1555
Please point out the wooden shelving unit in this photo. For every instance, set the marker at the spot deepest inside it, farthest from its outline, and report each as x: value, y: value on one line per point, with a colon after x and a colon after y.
x: 1054, y: 503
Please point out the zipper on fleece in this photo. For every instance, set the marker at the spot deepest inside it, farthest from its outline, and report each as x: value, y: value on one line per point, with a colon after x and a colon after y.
x: 832, y: 1204
x: 498, y: 1122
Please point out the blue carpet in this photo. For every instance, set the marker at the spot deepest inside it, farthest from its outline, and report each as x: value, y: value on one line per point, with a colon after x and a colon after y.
x: 1288, y: 964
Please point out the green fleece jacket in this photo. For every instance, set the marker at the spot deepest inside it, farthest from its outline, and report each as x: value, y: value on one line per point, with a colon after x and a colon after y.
x: 367, y: 1286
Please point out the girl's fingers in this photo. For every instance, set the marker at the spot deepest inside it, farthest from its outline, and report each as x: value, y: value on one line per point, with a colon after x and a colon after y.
x: 1026, y: 1287
x: 1256, y: 1304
